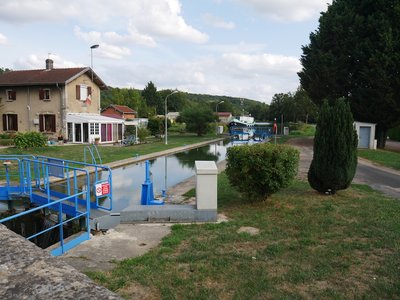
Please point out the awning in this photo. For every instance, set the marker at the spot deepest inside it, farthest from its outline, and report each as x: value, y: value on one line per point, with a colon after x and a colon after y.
x: 91, y: 118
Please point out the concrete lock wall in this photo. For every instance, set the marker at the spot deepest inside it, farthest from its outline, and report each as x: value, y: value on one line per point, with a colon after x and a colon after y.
x: 206, y: 185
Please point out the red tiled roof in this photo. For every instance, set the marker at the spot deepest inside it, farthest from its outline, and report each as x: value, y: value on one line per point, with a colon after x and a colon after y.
x: 224, y: 114
x: 115, y: 116
x: 123, y: 109
x: 45, y: 76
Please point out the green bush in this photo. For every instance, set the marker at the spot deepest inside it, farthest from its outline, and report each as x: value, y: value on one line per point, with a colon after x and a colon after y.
x: 177, y: 128
x: 335, y: 149
x: 260, y: 170
x: 394, y: 133
x: 6, y: 142
x: 143, y: 133
x: 30, y: 140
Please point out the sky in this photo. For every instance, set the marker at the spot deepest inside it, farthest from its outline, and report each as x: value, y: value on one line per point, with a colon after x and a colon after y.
x: 239, y: 48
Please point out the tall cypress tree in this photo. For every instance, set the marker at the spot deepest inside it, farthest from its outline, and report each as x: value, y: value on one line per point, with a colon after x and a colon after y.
x: 335, y: 149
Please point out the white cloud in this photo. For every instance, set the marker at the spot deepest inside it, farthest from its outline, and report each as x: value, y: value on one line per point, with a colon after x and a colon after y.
x: 107, y: 50
x: 37, y: 61
x: 217, y: 22
x: 261, y: 63
x: 257, y: 77
x: 146, y: 20
x: 25, y: 11
x: 3, y: 40
x: 288, y: 10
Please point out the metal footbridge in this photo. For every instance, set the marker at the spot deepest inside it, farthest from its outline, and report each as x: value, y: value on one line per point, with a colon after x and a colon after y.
x: 58, y: 198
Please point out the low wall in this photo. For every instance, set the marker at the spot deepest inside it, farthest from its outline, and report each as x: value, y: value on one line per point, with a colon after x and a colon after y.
x: 28, y: 272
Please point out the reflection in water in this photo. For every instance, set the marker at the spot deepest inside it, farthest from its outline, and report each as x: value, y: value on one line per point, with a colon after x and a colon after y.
x: 127, y: 181
x: 188, y: 158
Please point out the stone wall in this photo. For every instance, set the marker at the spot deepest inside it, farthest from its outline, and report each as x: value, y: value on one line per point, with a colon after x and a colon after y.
x: 28, y: 272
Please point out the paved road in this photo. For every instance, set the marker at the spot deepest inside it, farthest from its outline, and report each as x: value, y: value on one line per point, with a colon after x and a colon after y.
x: 379, y: 178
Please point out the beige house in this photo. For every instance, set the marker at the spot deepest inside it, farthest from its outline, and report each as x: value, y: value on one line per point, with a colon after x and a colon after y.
x: 60, y: 103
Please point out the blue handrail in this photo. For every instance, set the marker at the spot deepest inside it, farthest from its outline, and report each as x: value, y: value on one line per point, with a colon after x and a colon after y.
x: 59, y: 185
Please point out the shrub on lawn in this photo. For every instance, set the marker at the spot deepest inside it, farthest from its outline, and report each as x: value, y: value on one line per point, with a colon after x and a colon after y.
x: 30, y: 140
x: 6, y: 142
x: 335, y: 149
x: 260, y: 170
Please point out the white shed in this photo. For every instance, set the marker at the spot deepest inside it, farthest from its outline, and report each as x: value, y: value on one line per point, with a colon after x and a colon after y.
x: 366, y: 135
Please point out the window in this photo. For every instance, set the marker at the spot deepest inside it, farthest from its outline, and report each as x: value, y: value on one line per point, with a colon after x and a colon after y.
x: 10, y: 122
x: 11, y: 95
x: 94, y: 128
x: 44, y: 94
x: 47, y: 123
x: 83, y: 91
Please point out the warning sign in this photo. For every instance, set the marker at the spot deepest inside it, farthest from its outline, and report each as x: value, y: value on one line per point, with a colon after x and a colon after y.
x: 102, y: 189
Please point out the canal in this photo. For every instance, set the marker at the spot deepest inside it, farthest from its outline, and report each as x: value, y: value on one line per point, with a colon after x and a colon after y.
x: 165, y: 171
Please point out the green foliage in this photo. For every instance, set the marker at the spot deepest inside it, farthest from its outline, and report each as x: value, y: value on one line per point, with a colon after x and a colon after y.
x: 124, y: 96
x: 335, y: 149
x: 354, y: 54
x: 153, y: 99
x: 198, y: 119
x: 294, y: 107
x: 30, y: 140
x: 130, y: 130
x: 394, y: 133
x: 157, y: 125
x: 143, y: 133
x: 6, y: 142
x: 301, y: 129
x: 260, y: 170
x: 177, y: 127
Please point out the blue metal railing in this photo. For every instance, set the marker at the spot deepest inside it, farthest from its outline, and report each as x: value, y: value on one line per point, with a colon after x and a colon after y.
x: 56, y: 205
x: 92, y: 149
x: 67, y: 187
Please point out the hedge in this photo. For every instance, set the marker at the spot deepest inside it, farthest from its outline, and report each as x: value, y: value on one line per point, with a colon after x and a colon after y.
x: 260, y: 170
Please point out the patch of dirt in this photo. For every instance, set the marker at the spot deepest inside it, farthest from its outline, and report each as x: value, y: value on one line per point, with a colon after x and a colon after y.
x: 250, y: 230
x: 301, y: 142
x: 137, y: 291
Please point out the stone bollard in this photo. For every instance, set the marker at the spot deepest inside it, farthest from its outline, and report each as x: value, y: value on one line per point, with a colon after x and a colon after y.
x: 206, y: 185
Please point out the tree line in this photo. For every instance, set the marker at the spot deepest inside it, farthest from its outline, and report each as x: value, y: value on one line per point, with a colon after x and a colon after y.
x: 149, y: 102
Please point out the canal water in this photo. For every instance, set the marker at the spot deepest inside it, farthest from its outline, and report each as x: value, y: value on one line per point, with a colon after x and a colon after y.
x: 165, y: 171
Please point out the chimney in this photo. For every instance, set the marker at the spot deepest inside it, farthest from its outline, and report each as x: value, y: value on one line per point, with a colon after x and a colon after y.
x: 49, y: 64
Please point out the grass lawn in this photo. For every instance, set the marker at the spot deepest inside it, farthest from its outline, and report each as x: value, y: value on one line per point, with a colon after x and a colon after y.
x: 387, y: 158
x: 309, y: 246
x: 111, y: 153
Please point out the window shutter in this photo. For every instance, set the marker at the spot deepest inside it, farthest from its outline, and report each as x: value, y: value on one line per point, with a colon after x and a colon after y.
x: 41, y: 94
x: 16, y: 122
x: 13, y: 95
x: 41, y: 127
x: 53, y: 123
x: 89, y: 90
x: 78, y: 92
x: 4, y: 122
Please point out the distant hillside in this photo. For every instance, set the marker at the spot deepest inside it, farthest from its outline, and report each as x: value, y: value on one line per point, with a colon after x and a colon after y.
x: 237, y: 106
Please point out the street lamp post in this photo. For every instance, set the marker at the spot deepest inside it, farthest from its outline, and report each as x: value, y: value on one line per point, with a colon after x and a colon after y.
x: 166, y: 124
x: 216, y: 112
x: 91, y: 56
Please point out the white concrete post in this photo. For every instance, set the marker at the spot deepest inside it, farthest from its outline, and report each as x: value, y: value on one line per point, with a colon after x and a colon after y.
x: 206, y: 185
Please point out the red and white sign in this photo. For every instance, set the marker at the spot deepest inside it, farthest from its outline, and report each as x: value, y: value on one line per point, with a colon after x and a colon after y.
x: 102, y: 189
